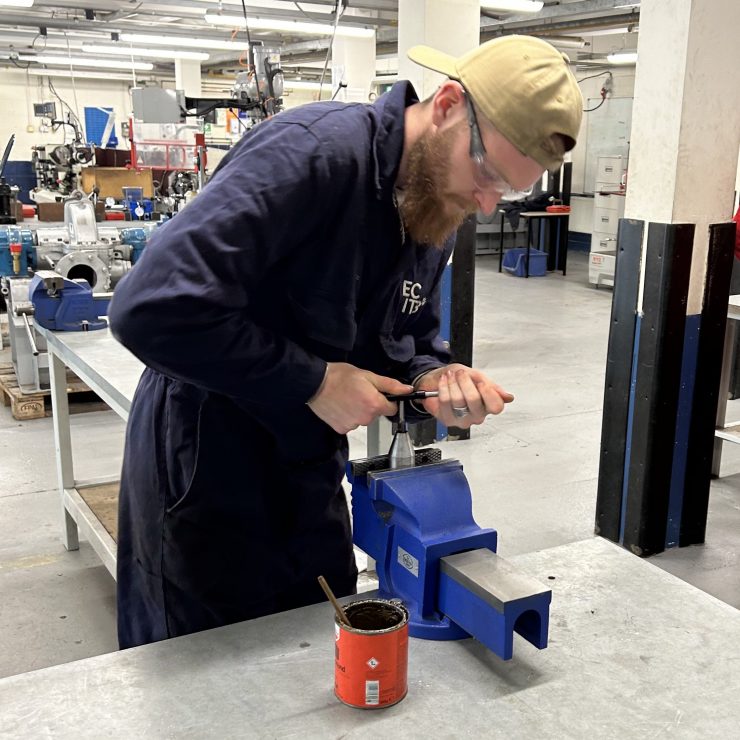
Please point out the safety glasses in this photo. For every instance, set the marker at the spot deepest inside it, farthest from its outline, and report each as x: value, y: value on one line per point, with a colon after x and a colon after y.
x: 485, y: 176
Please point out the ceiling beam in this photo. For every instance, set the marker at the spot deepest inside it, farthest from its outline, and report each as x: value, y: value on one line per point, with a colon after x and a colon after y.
x: 559, y: 11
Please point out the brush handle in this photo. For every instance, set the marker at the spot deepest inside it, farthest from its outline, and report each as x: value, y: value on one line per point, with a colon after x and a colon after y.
x: 330, y: 595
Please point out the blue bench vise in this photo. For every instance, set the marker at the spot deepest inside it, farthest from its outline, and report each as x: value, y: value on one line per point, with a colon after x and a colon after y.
x: 60, y: 304
x: 417, y: 523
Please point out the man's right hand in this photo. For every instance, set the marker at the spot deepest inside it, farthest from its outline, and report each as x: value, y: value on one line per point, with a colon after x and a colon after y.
x: 350, y: 397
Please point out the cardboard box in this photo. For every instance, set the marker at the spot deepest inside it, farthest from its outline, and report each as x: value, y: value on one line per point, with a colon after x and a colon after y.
x: 112, y: 180
x: 55, y: 211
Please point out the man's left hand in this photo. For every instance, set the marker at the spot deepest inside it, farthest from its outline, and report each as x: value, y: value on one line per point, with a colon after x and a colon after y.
x: 466, y: 396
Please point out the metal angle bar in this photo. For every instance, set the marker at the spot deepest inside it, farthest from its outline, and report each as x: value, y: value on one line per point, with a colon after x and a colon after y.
x: 657, y: 386
x: 614, y: 429
x: 706, y: 396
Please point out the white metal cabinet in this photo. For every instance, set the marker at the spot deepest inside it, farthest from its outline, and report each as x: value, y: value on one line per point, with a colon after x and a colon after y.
x: 608, y: 209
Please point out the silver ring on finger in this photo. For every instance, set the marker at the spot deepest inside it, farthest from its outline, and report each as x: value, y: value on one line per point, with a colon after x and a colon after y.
x: 460, y: 412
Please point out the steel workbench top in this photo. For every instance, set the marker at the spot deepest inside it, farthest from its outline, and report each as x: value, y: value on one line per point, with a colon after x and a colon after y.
x: 98, y: 358
x: 634, y: 652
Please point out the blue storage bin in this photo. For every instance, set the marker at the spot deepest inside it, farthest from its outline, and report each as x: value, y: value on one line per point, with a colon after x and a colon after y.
x: 515, y: 262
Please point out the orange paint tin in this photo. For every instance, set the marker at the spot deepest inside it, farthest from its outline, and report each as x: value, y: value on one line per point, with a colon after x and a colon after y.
x: 371, y: 657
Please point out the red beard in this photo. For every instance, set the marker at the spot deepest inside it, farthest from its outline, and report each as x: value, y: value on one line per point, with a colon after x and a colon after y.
x: 429, y: 215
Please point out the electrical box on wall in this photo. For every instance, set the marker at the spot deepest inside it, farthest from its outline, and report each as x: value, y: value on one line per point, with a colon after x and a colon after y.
x: 45, y: 110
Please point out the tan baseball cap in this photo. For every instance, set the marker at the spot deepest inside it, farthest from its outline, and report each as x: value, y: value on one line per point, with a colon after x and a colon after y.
x: 523, y: 85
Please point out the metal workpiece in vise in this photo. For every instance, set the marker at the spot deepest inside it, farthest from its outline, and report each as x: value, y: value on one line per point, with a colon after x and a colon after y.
x: 417, y: 523
x: 60, y: 304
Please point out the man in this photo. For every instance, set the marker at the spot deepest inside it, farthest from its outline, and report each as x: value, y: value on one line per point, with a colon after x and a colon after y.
x: 274, y: 312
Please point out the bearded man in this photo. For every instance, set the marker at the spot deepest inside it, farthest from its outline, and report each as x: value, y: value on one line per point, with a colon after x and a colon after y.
x: 276, y: 310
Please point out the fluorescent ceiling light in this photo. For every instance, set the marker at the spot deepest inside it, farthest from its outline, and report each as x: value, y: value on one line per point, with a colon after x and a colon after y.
x: 513, y: 6
x: 16, y: 3
x: 565, y: 42
x: 86, y: 62
x: 139, y: 52
x: 622, y: 57
x: 611, y: 31
x: 184, y: 41
x: 299, y: 27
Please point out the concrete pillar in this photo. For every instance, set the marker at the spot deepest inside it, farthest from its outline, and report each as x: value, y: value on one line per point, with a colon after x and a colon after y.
x: 452, y: 26
x: 685, y: 132
x: 353, y: 63
x: 187, y: 77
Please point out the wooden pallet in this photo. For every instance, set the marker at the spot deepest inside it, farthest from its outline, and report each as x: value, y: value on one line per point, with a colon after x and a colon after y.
x: 25, y: 406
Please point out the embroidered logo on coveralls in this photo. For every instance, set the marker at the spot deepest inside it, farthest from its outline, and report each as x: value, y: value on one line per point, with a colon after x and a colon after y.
x: 413, y: 299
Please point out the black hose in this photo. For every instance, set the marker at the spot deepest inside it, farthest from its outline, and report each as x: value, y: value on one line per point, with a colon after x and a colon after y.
x: 6, y: 154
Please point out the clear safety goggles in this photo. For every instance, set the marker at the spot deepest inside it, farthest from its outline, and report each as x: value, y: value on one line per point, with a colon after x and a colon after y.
x: 485, y: 176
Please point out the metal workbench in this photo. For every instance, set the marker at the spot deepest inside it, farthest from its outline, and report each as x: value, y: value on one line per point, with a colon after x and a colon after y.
x: 113, y: 373
x: 634, y: 652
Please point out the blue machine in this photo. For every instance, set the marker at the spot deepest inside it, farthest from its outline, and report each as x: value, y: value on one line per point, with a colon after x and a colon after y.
x: 66, y: 305
x: 140, y: 210
x: 17, y: 251
x: 417, y: 523
x: 136, y: 237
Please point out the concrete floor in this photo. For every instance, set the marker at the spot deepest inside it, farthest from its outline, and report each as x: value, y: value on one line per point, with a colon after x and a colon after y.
x: 533, y: 471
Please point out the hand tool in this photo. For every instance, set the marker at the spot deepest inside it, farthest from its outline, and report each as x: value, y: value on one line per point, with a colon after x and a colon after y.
x: 414, y: 396
x: 401, y: 454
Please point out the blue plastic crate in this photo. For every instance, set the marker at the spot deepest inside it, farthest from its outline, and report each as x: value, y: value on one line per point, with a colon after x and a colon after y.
x: 515, y: 262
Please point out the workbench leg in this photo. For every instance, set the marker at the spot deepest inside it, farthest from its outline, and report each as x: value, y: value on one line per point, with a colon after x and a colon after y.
x: 63, y: 445
x: 724, y: 388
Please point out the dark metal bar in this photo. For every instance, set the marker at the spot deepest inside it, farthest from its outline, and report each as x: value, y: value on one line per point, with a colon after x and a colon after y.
x: 657, y: 385
x: 617, y: 381
x: 706, y: 388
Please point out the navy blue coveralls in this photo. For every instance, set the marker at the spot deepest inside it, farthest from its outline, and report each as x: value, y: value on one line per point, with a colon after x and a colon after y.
x: 231, y: 501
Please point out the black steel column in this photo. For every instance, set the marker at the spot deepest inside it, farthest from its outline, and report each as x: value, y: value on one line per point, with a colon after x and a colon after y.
x: 461, y: 322
x: 463, y: 302
x: 618, y: 378
x: 658, y: 379
x: 566, y: 183
x: 720, y: 260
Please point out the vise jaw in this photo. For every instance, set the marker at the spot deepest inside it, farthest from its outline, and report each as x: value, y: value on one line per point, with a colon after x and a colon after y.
x: 417, y: 523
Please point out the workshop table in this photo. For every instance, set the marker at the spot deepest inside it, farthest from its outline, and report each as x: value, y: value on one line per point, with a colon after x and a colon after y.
x: 726, y: 432
x: 557, y: 248
x: 634, y: 652
x: 112, y: 372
